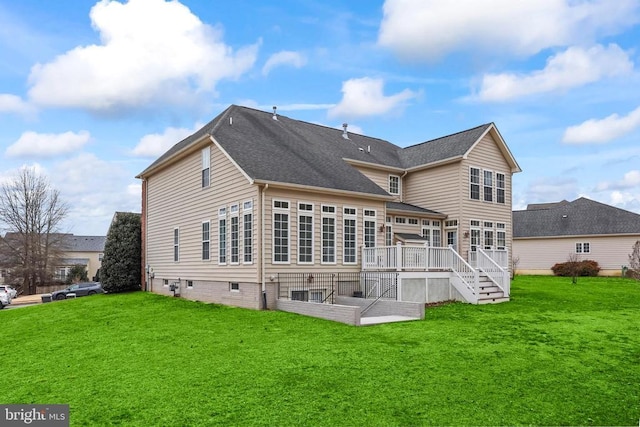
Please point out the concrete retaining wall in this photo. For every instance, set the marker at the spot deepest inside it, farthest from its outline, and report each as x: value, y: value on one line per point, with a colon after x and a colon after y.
x: 336, y: 312
x: 385, y: 307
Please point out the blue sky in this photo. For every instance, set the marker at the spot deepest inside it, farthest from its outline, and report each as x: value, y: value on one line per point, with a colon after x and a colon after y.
x: 92, y: 92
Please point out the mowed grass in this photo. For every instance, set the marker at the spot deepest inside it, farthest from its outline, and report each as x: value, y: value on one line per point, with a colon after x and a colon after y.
x: 557, y: 354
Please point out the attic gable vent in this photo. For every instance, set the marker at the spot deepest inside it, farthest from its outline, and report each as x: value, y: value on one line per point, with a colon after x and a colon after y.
x: 345, y: 135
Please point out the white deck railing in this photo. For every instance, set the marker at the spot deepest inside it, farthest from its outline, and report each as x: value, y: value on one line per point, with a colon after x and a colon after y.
x: 500, y: 256
x: 490, y: 267
x: 404, y: 257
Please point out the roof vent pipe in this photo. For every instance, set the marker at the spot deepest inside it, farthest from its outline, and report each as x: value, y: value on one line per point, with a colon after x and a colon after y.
x: 368, y: 148
x: 345, y: 135
x: 230, y: 121
x: 275, y: 116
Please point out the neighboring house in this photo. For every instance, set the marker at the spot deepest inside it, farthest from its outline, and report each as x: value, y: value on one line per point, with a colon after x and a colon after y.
x: 255, y: 203
x: 81, y: 250
x: 546, y: 234
x: 75, y: 250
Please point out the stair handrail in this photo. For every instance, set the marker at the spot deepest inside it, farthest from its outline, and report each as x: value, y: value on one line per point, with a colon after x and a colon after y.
x: 374, y: 302
x: 493, y: 271
x: 468, y: 290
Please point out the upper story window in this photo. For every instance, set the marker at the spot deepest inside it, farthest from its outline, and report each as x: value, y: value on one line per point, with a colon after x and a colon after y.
x: 413, y: 221
x: 474, y: 183
x: 401, y: 220
x: 206, y: 166
x: 500, y: 188
x: 394, y: 184
x: 488, y: 186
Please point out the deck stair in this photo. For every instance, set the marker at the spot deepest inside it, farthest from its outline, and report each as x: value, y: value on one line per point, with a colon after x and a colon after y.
x: 488, y: 292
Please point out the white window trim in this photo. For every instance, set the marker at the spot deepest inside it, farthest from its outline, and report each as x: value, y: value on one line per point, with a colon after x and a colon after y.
x: 307, y: 213
x: 280, y: 210
x: 206, y: 164
x: 247, y: 209
x: 370, y: 218
x: 479, y: 183
x: 205, y: 241
x: 493, y: 186
x: 582, y: 251
x: 235, y: 213
x: 504, y: 188
x: 222, y: 215
x: 399, y: 184
x: 333, y: 215
x: 353, y: 217
x: 176, y: 245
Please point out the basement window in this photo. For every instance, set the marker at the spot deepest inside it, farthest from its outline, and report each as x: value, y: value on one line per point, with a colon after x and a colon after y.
x: 234, y: 287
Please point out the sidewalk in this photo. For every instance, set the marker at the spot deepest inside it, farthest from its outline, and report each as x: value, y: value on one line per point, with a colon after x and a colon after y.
x: 27, y: 299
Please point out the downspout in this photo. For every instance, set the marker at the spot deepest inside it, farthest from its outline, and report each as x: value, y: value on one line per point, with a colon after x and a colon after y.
x: 262, y: 243
x: 402, y: 186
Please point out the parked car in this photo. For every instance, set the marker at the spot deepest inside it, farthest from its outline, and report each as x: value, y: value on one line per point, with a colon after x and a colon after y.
x: 8, y: 289
x: 80, y: 289
x: 5, y: 299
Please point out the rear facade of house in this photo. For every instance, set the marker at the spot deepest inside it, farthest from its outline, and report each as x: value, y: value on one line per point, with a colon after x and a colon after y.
x: 254, y: 199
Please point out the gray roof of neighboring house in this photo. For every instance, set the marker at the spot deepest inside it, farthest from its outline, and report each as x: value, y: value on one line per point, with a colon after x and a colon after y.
x: 582, y: 217
x: 410, y: 236
x: 297, y: 152
x: 85, y: 243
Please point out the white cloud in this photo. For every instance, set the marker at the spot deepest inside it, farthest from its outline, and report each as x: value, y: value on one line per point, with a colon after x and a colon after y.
x: 43, y: 145
x: 429, y: 29
x: 551, y: 189
x: 151, y: 51
x: 285, y: 57
x: 603, y: 130
x: 95, y: 189
x: 574, y: 67
x: 364, y: 97
x: 155, y: 144
x: 630, y: 180
x: 14, y: 104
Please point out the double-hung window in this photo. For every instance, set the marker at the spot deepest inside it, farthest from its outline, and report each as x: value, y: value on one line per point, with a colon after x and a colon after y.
x: 280, y: 232
x: 500, y: 188
x: 369, y: 228
x: 247, y: 227
x: 235, y: 234
x: 474, y: 183
x: 176, y: 244
x: 206, y: 166
x: 205, y: 240
x: 349, y: 236
x: 222, y: 236
x: 305, y: 233
x: 394, y: 184
x: 488, y: 186
x: 328, y: 234
x: 501, y: 236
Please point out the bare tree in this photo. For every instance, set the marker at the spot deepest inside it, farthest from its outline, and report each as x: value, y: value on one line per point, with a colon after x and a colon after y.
x: 31, y: 212
x: 634, y: 261
x: 573, y: 264
x: 514, y: 266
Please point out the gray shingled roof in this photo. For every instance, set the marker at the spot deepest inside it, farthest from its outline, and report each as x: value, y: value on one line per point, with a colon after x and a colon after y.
x: 410, y: 236
x: 296, y: 152
x: 406, y: 207
x: 446, y: 147
x: 85, y: 243
x: 582, y: 217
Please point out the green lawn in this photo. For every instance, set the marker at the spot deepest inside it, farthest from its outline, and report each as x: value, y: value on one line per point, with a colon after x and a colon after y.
x: 557, y: 354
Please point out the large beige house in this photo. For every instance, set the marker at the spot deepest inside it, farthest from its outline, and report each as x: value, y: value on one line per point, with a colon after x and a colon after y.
x: 256, y: 208
x: 549, y: 233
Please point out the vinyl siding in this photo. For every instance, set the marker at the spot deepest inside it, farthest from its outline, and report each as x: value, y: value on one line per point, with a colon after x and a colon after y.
x: 539, y: 255
x: 176, y: 199
x: 446, y: 189
x: 94, y: 261
x: 381, y: 178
